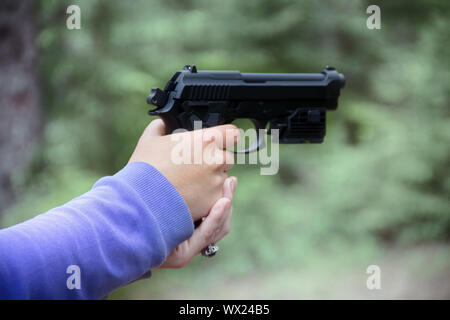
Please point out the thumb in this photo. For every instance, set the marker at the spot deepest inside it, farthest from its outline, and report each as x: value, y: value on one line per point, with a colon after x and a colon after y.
x: 206, y: 233
x: 156, y: 128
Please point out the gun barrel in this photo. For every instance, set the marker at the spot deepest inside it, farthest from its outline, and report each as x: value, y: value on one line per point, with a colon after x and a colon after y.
x: 262, y: 77
x: 234, y: 85
x: 213, y: 75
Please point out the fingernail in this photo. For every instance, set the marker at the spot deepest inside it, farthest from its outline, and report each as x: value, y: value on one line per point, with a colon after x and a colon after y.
x: 230, y: 184
x: 233, y: 183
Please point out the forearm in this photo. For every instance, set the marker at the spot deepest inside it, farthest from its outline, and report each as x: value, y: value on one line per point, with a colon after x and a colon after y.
x: 126, y: 225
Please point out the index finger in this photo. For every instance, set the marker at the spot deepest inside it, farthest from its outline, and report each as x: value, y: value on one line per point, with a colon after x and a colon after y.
x: 225, y: 136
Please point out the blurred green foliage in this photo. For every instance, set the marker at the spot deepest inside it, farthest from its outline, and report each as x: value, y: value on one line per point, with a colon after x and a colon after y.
x: 380, y: 180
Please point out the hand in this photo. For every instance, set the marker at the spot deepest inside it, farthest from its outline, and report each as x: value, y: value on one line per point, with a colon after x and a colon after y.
x: 200, y: 185
x: 215, y: 226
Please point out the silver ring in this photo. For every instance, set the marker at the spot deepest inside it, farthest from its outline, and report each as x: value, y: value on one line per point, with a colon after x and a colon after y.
x: 210, y: 250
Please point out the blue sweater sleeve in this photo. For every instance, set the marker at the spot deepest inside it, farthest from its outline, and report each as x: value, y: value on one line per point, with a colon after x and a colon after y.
x: 113, y: 235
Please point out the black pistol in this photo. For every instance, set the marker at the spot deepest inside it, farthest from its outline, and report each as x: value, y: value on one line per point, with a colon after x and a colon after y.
x: 293, y: 103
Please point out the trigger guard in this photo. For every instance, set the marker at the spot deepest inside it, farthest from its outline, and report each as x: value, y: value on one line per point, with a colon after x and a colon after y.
x: 260, y: 142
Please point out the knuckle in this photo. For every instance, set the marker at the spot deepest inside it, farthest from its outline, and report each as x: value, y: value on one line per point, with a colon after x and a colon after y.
x: 228, y: 166
x: 220, y: 179
x: 209, y: 235
x: 231, y: 126
x: 216, y: 166
x: 229, y: 156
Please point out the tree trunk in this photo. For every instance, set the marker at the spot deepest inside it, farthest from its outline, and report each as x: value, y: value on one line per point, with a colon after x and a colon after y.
x: 20, y: 108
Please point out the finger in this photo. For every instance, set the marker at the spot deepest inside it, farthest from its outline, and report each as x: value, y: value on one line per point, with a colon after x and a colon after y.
x: 229, y: 187
x: 225, y: 226
x: 211, y: 154
x: 229, y: 160
x: 225, y: 136
x: 156, y: 128
x: 210, y: 227
x: 222, y: 160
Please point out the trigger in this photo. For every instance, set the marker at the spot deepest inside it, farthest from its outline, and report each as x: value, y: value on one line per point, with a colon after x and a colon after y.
x: 260, y: 142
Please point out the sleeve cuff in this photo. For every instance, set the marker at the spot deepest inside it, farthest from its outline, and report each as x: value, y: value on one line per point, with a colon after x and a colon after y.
x: 163, y: 201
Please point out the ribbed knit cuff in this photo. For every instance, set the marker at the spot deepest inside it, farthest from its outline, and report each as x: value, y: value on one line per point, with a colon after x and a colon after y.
x: 162, y: 199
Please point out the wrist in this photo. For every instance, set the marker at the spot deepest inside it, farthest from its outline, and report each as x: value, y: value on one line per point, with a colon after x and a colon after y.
x: 162, y: 199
